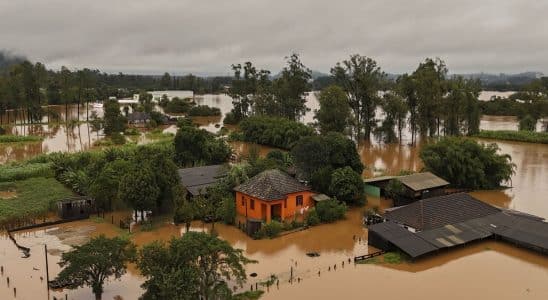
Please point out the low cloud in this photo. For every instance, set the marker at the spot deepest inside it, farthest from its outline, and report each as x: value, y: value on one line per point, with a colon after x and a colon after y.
x: 206, y: 37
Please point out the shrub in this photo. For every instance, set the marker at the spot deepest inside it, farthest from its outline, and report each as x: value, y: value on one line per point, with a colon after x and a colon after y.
x: 19, y: 138
x: 230, y: 119
x: 312, y: 219
x: 330, y: 210
x: 117, y: 138
x: 20, y: 171
x: 270, y: 230
x: 527, y: 123
x: 204, y: 110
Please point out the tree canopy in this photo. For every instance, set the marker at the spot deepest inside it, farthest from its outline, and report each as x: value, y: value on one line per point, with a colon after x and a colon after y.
x: 94, y: 262
x: 334, y: 113
x: 197, y: 265
x: 465, y: 163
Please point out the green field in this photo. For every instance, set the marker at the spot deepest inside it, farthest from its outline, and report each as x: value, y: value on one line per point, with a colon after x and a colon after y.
x: 519, y: 136
x: 34, y: 197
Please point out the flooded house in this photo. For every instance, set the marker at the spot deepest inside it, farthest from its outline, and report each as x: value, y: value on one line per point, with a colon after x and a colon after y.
x: 75, y: 208
x: 138, y: 118
x: 272, y: 195
x: 438, y: 223
x: 196, y: 180
x: 416, y: 186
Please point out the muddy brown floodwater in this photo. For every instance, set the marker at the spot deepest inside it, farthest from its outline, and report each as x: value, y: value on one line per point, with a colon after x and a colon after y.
x: 485, y: 270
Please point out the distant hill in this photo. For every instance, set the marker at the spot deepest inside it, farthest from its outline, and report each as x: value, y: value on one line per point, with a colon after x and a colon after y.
x: 7, y: 59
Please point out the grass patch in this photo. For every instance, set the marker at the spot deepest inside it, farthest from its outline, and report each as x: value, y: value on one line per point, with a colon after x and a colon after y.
x: 21, y: 171
x: 519, y: 136
x: 371, y: 261
x: 158, y: 134
x: 35, y: 197
x: 20, y: 138
x: 394, y: 258
x: 97, y: 220
x: 249, y: 295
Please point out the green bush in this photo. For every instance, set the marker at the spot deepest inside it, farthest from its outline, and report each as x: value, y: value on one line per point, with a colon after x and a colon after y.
x: 132, y: 131
x: 204, y: 111
x: 117, y: 138
x: 312, y: 219
x: 230, y: 119
x: 272, y: 131
x: 270, y: 230
x: 330, y: 210
x: 519, y: 136
x: 347, y: 186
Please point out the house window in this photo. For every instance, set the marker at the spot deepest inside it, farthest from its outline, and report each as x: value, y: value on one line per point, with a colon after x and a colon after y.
x: 243, y: 201
x: 299, y: 199
x: 252, y: 204
x: 285, y: 203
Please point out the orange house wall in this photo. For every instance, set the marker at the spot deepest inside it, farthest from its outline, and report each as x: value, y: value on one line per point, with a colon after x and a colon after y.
x: 287, y: 211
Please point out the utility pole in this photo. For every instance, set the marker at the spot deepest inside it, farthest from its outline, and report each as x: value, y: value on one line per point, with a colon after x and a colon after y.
x: 47, y: 268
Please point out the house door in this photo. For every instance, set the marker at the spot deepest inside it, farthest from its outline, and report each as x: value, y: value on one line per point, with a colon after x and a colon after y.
x: 263, y: 211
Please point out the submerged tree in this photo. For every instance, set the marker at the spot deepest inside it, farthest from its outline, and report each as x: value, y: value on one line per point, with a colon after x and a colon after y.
x: 94, y: 262
x: 395, y: 112
x: 196, y: 266
x: 291, y: 87
x: 139, y: 189
x: 334, y: 112
x: 362, y: 80
x: 247, y: 83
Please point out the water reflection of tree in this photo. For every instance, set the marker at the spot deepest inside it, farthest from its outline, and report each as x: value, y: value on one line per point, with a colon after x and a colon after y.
x: 392, y: 157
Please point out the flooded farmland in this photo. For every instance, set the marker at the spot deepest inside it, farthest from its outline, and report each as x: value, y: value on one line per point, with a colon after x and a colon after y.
x: 485, y: 270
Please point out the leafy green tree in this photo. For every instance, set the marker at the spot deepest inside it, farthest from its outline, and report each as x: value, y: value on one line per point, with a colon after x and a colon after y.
x: 273, y: 131
x: 165, y: 82
x: 528, y: 123
x: 196, y: 266
x: 178, y: 106
x: 334, y: 112
x: 347, y: 185
x: 466, y: 163
x: 461, y: 107
x: 145, y: 100
x: 431, y: 86
x: 139, y: 189
x: 395, y: 112
x: 94, y: 262
x: 322, y: 154
x: 194, y: 146
x: 290, y: 88
x: 362, y: 80
x: 406, y: 87
x: 113, y: 121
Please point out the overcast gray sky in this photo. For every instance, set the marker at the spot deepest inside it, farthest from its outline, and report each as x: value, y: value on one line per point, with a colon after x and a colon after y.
x: 206, y: 36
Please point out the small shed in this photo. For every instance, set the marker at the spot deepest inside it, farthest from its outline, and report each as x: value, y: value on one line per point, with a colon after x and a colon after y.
x: 375, y: 186
x: 196, y: 180
x: 75, y: 208
x: 138, y: 117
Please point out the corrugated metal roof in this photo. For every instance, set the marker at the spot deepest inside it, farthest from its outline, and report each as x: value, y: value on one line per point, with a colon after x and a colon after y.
x: 402, y: 238
x: 422, y: 181
x: 380, y: 178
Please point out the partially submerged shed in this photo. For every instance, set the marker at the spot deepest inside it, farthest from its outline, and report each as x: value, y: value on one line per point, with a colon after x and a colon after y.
x: 74, y: 208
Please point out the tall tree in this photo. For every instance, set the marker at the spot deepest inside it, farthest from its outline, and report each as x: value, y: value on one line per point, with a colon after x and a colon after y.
x: 407, y: 88
x: 247, y: 82
x: 461, y: 107
x: 362, y: 80
x: 395, y: 112
x: 94, y: 262
x: 334, y: 112
x: 431, y: 87
x: 290, y: 89
x: 114, y: 122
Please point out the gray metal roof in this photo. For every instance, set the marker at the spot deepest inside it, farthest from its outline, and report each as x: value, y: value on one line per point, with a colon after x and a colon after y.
x: 380, y: 178
x: 271, y: 185
x: 197, y: 179
x: 422, y: 181
x: 439, y: 211
x: 402, y: 238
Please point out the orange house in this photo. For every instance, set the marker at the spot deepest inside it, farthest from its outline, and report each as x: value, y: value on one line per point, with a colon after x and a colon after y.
x: 273, y: 194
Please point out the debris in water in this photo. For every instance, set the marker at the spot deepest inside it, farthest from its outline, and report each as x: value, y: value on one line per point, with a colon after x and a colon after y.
x: 253, y: 274
x: 312, y: 254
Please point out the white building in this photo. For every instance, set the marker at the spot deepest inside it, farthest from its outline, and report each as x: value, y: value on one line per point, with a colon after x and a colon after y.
x: 157, y: 95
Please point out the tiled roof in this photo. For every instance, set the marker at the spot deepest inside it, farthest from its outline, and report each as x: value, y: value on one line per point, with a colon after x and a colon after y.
x: 271, y: 185
x: 197, y: 179
x: 439, y: 211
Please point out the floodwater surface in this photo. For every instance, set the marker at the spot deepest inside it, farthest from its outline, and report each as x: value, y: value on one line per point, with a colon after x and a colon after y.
x: 485, y: 270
